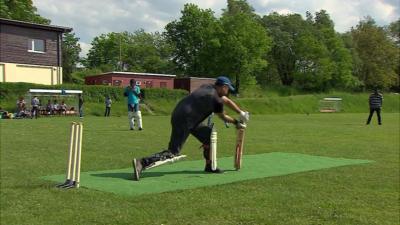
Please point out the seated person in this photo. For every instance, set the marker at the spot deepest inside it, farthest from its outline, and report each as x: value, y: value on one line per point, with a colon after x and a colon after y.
x: 71, y: 110
x: 63, y: 108
x: 49, y: 108
x: 3, y: 114
x: 56, y: 107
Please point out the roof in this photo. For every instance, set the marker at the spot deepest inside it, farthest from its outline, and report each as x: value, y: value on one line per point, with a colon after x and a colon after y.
x: 35, y: 25
x: 134, y: 73
x: 47, y: 91
x: 332, y: 99
x: 197, y: 78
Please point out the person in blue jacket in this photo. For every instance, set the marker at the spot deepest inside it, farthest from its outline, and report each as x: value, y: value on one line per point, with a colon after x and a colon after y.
x: 133, y: 93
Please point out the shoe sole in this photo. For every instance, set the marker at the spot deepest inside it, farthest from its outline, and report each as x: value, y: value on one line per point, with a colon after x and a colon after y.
x: 135, y: 172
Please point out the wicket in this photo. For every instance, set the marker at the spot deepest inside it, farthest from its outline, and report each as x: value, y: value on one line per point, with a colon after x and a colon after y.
x: 74, y: 157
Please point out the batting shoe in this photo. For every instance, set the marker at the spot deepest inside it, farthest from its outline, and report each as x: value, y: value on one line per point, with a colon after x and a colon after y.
x: 137, y: 169
x: 208, y: 169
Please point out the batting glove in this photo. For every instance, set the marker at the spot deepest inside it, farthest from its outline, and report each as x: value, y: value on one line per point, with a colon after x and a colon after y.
x: 244, y: 117
x: 240, y: 125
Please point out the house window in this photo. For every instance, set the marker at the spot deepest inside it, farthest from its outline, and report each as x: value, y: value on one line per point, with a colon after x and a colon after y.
x: 149, y: 84
x: 36, y: 45
x: 117, y: 83
x: 163, y: 84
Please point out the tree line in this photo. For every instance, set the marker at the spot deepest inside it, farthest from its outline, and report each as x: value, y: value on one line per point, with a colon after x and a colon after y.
x: 274, y: 49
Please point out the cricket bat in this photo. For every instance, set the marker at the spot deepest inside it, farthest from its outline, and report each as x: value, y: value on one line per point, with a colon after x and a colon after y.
x: 239, y: 149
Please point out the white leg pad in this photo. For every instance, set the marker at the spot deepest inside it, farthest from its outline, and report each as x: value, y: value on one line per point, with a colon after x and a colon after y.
x: 138, y: 116
x: 213, y: 149
x: 167, y: 161
x: 131, y: 119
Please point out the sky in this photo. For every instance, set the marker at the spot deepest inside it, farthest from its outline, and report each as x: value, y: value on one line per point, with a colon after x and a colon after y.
x: 91, y: 18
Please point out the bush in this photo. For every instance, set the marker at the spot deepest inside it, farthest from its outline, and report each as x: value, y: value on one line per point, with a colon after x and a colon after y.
x: 93, y: 94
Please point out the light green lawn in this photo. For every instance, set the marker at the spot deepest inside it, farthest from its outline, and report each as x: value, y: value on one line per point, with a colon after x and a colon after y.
x: 360, y: 194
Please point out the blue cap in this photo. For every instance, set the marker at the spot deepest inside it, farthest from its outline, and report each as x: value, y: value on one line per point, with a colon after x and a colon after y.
x: 222, y: 80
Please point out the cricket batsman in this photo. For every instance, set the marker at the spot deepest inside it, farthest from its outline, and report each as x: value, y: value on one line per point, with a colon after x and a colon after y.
x: 187, y: 118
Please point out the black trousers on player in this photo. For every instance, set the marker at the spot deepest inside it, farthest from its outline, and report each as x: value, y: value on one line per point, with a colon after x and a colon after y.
x: 371, y: 113
x: 179, y: 135
x: 107, y: 112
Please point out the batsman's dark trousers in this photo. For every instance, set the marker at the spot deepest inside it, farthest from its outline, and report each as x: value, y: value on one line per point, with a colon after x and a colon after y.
x: 179, y: 135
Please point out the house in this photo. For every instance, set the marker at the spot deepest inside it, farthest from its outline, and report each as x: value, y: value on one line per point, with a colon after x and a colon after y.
x: 30, y: 52
x: 191, y: 83
x: 145, y: 80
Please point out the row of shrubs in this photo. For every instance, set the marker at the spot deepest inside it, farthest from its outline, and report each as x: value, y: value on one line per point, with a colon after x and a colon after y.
x: 91, y: 93
x: 162, y: 101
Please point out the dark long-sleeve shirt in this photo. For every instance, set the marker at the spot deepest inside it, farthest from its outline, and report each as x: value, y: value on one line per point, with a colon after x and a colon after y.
x: 375, y: 100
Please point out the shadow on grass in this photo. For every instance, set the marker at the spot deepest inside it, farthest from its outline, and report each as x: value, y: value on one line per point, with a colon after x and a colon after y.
x: 129, y: 176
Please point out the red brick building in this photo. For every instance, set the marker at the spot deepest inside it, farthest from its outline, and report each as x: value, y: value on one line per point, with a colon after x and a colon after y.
x: 191, y: 83
x: 145, y: 80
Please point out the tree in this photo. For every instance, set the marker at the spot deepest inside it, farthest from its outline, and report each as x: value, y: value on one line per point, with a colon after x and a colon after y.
x: 138, y: 51
x: 340, y: 57
x: 308, y: 53
x: 70, y: 55
x: 22, y: 10
x: 244, y: 43
x: 378, y: 54
x: 394, y: 31
x: 195, y: 37
x: 105, y: 51
x: 286, y: 32
x: 146, y: 52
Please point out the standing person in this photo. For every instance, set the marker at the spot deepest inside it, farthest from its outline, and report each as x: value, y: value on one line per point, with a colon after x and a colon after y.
x: 108, y: 103
x: 80, y: 106
x: 21, y: 104
x: 187, y: 117
x: 133, y: 93
x: 375, y: 105
x: 35, y: 107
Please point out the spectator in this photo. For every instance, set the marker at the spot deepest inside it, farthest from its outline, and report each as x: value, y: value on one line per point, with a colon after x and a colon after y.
x: 63, y: 108
x: 49, y: 108
x: 108, y: 103
x: 21, y: 104
x: 35, y: 102
x: 56, y: 107
x: 375, y: 105
x: 21, y: 108
x: 3, y: 114
x: 80, y: 105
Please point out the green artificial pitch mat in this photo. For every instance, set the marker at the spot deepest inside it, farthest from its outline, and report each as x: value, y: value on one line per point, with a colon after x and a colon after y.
x: 189, y: 174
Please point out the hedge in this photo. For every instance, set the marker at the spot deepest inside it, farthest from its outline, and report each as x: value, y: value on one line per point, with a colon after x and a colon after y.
x: 10, y: 92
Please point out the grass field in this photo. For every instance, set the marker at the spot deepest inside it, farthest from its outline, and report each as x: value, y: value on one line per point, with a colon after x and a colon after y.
x: 358, y: 194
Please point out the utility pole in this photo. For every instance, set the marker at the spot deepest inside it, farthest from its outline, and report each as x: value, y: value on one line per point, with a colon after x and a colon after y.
x: 120, y: 54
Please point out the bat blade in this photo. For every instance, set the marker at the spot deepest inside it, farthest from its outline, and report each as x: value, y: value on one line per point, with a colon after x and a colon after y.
x: 239, y: 149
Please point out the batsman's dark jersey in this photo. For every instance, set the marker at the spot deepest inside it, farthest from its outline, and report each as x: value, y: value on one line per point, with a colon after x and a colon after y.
x: 186, y: 119
x: 190, y: 112
x: 196, y: 107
